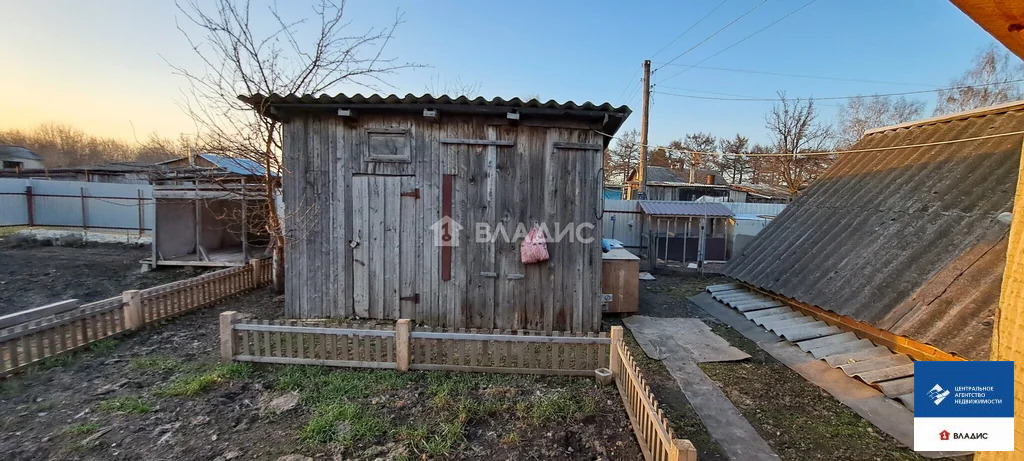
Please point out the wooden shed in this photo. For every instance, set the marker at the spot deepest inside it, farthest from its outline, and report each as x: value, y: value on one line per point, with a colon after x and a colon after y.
x: 384, y: 198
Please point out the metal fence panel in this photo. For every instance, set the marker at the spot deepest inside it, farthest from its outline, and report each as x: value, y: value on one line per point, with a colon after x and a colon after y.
x: 66, y: 203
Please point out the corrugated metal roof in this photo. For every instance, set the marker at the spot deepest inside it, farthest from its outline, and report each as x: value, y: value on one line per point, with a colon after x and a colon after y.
x: 551, y: 107
x: 242, y: 166
x: 674, y: 208
x: 909, y: 240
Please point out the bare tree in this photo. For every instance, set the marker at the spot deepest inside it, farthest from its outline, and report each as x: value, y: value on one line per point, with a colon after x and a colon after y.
x: 305, y: 55
x: 866, y: 112
x: 66, y: 146
x: 620, y: 159
x: 991, y: 80
x: 736, y: 166
x: 691, y: 153
x: 453, y: 88
x: 794, y: 128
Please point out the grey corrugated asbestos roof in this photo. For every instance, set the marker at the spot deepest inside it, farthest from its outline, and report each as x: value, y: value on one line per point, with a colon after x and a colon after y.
x: 908, y: 240
x: 617, y: 115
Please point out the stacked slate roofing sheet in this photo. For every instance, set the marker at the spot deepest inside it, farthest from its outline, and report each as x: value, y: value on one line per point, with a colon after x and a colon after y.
x: 910, y: 240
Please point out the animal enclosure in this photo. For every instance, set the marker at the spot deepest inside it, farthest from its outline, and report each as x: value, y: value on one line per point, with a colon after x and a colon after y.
x: 400, y: 208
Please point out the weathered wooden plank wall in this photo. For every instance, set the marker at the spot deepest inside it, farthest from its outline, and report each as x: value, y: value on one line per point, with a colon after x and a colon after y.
x: 360, y: 241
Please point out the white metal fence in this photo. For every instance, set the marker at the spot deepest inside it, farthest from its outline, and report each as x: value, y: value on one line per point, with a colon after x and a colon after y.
x: 76, y: 204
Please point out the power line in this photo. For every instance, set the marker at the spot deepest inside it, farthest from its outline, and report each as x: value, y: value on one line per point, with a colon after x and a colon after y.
x: 629, y: 83
x: 837, y: 152
x: 689, y: 28
x: 738, y: 97
x: 842, y: 79
x: 670, y: 61
x: 805, y: 5
x: 829, y: 98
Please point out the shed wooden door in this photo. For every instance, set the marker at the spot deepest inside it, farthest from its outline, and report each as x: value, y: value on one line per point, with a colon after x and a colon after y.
x: 385, y: 236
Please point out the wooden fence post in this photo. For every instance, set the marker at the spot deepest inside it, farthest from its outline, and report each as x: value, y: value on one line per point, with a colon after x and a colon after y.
x: 402, y: 330
x: 133, y: 318
x: 613, y: 352
x: 30, y: 206
x: 228, y: 345
x: 257, y: 272
x: 682, y: 450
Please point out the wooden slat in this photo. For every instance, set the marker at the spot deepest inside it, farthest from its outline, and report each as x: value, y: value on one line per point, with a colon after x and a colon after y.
x: 310, y: 361
x: 532, y: 371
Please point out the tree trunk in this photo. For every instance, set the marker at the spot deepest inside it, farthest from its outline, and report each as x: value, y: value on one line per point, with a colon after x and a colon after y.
x: 278, y: 265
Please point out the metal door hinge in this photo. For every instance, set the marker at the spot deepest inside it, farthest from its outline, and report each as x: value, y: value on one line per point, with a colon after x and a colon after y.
x: 414, y: 298
x: 415, y: 193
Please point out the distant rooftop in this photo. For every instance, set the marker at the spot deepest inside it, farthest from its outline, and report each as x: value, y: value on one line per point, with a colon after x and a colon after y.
x: 10, y: 151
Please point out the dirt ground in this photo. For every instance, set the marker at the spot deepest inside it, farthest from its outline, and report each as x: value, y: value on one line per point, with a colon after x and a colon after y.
x: 799, y: 420
x: 33, y: 274
x: 160, y: 394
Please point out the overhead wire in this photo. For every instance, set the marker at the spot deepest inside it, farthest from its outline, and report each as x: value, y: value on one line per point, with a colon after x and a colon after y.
x: 805, y: 5
x: 781, y: 74
x: 835, y: 152
x: 709, y: 37
x: 832, y: 98
x: 630, y: 83
x: 689, y: 28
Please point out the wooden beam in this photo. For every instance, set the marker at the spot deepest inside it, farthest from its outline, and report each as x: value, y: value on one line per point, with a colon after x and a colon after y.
x: 511, y: 338
x: 1004, y: 19
x: 38, y: 312
x: 578, y: 146
x: 315, y: 330
x: 896, y: 343
x: 478, y: 142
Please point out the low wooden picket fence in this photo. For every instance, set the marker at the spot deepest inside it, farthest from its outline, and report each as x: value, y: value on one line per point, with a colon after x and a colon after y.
x: 402, y: 347
x: 652, y: 429
x: 32, y: 335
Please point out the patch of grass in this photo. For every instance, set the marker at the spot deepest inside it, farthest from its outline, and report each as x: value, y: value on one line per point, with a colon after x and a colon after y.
x: 103, y: 346
x: 10, y: 387
x: 5, y: 231
x: 695, y: 284
x: 345, y: 423
x: 510, y: 439
x: 195, y: 384
x: 319, y: 385
x: 447, y: 438
x: 83, y: 429
x: 562, y: 406
x: 158, y: 364
x: 54, y: 362
x: 130, y: 405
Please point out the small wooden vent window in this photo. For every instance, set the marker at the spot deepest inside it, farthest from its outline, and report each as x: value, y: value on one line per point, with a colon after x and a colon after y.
x: 388, y: 145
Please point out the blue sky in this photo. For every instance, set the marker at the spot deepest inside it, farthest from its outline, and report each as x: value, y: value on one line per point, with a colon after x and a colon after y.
x: 101, y: 65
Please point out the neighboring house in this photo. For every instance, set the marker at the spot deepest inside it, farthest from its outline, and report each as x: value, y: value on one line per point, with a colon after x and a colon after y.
x: 668, y: 184
x: 911, y: 241
x: 213, y: 214
x: 386, y: 194
x: 18, y: 158
x: 759, y: 193
x: 613, y: 192
x: 233, y: 165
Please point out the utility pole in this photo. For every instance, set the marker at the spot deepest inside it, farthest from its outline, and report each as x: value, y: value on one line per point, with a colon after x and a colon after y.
x: 643, y: 129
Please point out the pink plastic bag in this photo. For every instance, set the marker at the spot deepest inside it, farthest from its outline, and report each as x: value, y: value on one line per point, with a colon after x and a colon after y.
x: 534, y: 249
